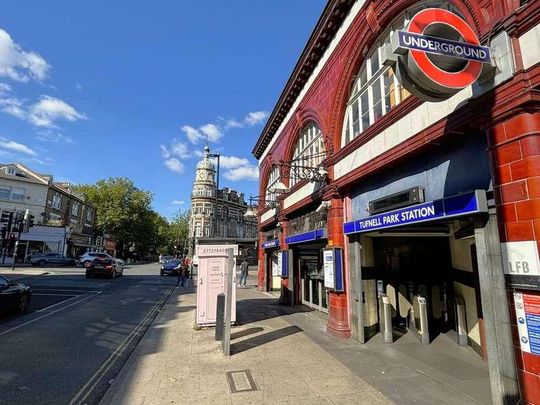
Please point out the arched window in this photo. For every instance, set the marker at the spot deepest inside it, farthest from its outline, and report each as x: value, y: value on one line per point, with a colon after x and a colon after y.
x: 273, y: 179
x: 224, y: 213
x: 376, y: 89
x: 309, y: 151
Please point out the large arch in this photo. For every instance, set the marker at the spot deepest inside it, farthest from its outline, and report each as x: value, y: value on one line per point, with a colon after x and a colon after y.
x: 380, y: 15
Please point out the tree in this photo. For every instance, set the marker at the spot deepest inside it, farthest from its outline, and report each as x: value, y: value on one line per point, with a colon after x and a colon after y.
x: 179, y: 231
x: 122, y: 210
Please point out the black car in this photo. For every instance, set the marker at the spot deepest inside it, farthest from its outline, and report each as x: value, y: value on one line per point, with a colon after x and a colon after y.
x: 103, y: 265
x: 171, y: 267
x: 14, y: 296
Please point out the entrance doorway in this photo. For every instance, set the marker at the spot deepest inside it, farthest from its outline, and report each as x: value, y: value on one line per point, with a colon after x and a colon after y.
x: 312, y: 291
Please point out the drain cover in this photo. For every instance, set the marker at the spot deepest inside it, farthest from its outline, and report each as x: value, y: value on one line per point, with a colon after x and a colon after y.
x: 241, y: 381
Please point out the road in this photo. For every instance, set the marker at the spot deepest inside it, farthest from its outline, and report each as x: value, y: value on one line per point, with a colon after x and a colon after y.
x: 77, y: 334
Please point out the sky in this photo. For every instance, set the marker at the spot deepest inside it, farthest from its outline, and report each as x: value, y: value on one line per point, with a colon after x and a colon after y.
x: 98, y: 89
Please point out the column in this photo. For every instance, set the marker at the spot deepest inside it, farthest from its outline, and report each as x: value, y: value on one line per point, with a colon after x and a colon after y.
x: 338, y: 314
x: 515, y: 149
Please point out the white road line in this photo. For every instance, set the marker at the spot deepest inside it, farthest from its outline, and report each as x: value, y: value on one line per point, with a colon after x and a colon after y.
x: 55, y: 295
x: 55, y: 305
x: 94, y: 380
x: 48, y: 314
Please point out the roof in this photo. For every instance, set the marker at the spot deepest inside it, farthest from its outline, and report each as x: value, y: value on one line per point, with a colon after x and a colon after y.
x: 331, y: 19
x: 28, y: 176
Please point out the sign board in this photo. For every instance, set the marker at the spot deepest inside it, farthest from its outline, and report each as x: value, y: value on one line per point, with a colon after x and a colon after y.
x: 438, y: 54
x: 212, y: 276
x: 328, y: 266
x: 333, y: 269
x: 270, y: 244
x: 520, y: 258
x: 283, y: 260
x: 463, y: 204
x: 528, y: 321
x: 276, y: 270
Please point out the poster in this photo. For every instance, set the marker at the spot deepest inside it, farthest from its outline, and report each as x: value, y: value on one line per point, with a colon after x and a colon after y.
x: 528, y: 321
x: 328, y: 265
x: 276, y: 268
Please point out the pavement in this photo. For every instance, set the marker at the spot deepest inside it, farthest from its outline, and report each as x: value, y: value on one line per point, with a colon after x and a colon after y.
x: 22, y: 273
x: 289, y: 357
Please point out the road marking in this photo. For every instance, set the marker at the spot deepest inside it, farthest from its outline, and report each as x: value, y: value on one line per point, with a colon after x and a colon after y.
x: 48, y: 314
x: 55, y: 305
x: 55, y: 295
x: 94, y: 380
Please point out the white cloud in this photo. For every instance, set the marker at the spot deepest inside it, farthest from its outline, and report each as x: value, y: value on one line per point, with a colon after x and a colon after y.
x: 16, y: 147
x: 212, y: 132
x: 193, y: 134
x: 20, y: 65
x: 54, y: 137
x: 232, y: 162
x: 243, y: 173
x: 178, y: 202
x: 45, y: 113
x: 255, y: 118
x: 49, y: 109
x: 174, y: 165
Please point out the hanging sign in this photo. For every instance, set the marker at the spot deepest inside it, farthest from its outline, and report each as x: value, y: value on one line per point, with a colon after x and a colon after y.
x: 528, y: 321
x: 439, y: 54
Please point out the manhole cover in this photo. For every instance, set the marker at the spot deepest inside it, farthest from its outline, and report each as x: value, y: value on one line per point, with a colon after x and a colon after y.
x: 241, y: 381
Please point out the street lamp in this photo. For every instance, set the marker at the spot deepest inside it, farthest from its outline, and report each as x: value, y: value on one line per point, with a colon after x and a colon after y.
x: 216, y: 155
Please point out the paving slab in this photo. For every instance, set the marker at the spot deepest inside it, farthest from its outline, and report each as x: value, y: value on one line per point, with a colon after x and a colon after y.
x: 288, y: 354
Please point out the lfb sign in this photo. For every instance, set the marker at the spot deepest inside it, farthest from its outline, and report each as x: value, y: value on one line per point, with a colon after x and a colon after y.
x: 439, y: 54
x: 520, y: 258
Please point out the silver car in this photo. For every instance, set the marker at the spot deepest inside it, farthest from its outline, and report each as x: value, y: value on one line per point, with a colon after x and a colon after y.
x: 47, y: 259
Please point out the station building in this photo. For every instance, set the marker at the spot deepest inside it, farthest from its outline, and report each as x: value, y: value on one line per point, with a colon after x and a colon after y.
x: 400, y: 170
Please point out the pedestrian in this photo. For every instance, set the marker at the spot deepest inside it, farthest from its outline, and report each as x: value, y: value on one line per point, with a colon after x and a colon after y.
x: 243, y: 272
x: 185, y: 276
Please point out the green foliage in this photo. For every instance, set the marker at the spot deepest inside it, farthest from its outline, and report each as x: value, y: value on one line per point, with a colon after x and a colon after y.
x: 125, y: 212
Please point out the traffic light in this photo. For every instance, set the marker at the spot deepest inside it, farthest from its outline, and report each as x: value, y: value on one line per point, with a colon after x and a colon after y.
x: 29, y: 222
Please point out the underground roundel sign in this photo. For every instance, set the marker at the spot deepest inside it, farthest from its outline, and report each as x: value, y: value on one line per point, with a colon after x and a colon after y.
x: 439, y: 54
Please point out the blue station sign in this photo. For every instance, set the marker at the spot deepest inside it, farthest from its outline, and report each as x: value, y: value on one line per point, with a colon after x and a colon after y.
x: 270, y: 244
x: 463, y: 204
x: 306, y: 236
x: 445, y: 47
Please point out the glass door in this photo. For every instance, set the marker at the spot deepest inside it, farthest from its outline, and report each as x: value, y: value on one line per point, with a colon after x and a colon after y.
x: 313, y: 292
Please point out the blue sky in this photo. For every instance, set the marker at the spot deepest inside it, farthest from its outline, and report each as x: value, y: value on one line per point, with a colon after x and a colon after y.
x: 102, y: 88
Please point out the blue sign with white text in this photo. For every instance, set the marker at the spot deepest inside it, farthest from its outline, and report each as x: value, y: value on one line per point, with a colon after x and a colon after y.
x: 462, y: 204
x: 447, y: 47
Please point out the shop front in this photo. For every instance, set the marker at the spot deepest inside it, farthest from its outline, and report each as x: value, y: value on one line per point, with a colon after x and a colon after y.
x: 78, y: 244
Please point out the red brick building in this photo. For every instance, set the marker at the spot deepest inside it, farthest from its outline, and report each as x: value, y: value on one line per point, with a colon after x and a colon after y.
x: 429, y: 192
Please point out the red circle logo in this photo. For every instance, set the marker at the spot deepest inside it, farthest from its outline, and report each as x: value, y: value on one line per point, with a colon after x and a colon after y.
x: 455, y: 80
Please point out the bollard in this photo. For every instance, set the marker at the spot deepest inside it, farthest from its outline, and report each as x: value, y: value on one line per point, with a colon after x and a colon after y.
x: 421, y: 325
x: 461, y: 322
x: 388, y: 332
x: 220, y: 316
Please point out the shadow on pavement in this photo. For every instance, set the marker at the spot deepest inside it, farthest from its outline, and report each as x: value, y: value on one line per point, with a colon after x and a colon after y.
x: 246, y: 332
x: 263, y: 339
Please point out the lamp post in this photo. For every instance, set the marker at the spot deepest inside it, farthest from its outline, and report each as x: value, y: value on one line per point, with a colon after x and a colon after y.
x: 215, y: 225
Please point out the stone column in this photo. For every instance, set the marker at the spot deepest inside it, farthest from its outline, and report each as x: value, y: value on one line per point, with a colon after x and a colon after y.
x: 285, y: 294
x: 338, y: 317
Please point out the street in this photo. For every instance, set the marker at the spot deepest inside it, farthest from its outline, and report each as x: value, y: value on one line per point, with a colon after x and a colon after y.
x: 77, y: 334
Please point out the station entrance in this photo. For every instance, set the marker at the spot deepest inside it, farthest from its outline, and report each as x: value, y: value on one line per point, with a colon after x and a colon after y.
x: 423, y: 280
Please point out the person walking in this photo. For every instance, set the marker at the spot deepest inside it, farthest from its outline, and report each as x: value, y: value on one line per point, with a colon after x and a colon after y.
x: 243, y: 273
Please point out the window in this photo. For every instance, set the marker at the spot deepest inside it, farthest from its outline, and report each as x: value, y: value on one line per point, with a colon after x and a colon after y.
x: 56, y: 201
x: 273, y: 179
x: 309, y: 151
x: 376, y: 89
x: 75, y: 208
x: 88, y: 214
x: 5, y: 192
x: 18, y: 193
x: 224, y: 213
x: 11, y: 171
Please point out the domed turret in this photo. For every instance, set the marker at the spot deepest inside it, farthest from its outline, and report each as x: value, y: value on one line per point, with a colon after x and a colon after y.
x: 206, y: 163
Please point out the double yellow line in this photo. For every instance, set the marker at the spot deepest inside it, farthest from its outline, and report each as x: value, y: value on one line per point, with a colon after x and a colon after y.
x: 87, y: 388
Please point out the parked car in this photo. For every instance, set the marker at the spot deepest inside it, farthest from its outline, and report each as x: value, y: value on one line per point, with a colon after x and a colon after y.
x: 171, y: 267
x: 14, y: 296
x: 119, y: 265
x: 103, y: 265
x: 45, y: 259
x: 88, y: 257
